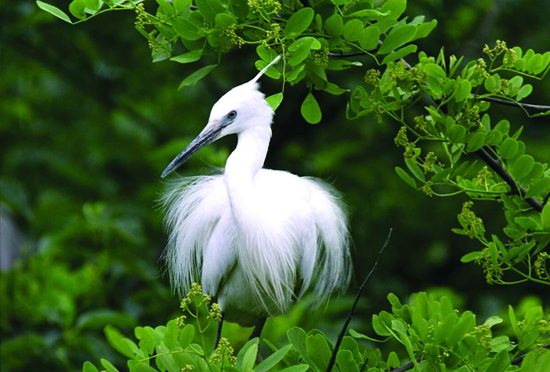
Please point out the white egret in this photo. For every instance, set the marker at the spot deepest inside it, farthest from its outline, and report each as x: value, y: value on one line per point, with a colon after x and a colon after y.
x: 256, y: 239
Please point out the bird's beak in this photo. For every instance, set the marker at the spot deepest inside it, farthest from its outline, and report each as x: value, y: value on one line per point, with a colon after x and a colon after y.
x: 209, y: 134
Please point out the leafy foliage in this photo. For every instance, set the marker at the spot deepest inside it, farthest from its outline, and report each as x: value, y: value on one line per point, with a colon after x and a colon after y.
x: 428, y: 331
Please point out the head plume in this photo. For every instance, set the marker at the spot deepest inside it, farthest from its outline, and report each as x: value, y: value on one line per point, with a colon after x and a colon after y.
x: 257, y: 77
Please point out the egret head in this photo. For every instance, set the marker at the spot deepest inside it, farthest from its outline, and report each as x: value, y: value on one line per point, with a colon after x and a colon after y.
x: 242, y: 108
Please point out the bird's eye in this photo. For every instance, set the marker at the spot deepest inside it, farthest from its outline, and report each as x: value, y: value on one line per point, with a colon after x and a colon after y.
x: 232, y: 115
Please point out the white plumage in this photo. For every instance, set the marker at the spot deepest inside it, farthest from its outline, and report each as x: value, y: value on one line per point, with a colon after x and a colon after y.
x: 256, y: 239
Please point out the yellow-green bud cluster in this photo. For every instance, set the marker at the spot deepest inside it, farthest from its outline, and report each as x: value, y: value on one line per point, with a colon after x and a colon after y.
x: 372, y: 77
x: 481, y: 65
x: 429, y: 161
x: 540, y: 266
x: 231, y: 34
x: 180, y: 321
x: 473, y: 225
x: 493, y: 271
x: 265, y: 6
x: 427, y: 189
x: 188, y: 368
x: 321, y: 58
x: 483, y: 177
x: 224, y: 352
x: 483, y: 335
x: 154, y: 45
x: 215, y: 312
x: 472, y: 117
x: 275, y: 31
x: 141, y: 16
x: 499, y: 49
x: 421, y: 123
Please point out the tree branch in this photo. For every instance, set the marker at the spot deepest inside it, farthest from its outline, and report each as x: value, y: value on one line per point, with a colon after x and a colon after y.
x: 354, y: 306
x: 504, y: 102
x: 507, y: 177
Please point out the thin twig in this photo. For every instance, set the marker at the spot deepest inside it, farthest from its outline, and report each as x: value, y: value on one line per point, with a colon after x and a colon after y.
x: 406, y: 366
x: 519, y: 359
x: 504, y: 102
x: 507, y: 177
x: 354, y: 306
x: 345, y: 55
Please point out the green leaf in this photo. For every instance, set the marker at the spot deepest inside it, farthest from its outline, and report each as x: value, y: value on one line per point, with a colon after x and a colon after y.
x: 273, y: 359
x: 108, y: 366
x: 182, y: 6
x: 434, y: 71
x: 301, y: 48
x: 457, y: 133
x: 356, y: 334
x: 170, y: 338
x: 185, y: 29
x: 89, y: 367
x: 477, y: 141
x: 394, y: 7
x: 250, y: 357
x: 272, y: 72
x: 465, y: 324
x: 298, y: 22
x: 462, y: 90
x: 508, y: 148
x: 209, y: 9
x: 54, y: 11
x: 188, y: 57
x: 76, y: 8
x: 118, y: 341
x: 400, y: 53
x: 369, y: 37
x: 310, y: 110
x: 266, y: 53
x: 297, y: 368
x: 540, y: 187
x: 192, y: 79
x: 425, y: 29
x: 297, y: 337
x: 524, y: 91
x: 405, y: 177
x: 397, y: 38
x: 244, y: 350
x: 240, y: 8
x: 472, y: 256
x: 545, y: 217
x: 346, y: 362
x: 352, y: 29
x: 334, y: 25
x: 275, y: 100
x: 318, y: 351
x: 415, y: 170
x: 523, y: 166
x: 186, y: 336
x: 224, y: 20
x: 500, y: 363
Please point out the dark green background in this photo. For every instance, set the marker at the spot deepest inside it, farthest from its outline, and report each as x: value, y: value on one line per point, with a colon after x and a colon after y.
x: 88, y: 123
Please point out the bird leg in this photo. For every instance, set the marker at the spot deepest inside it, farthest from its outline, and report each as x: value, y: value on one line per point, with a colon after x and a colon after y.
x: 257, y: 332
x: 219, y: 333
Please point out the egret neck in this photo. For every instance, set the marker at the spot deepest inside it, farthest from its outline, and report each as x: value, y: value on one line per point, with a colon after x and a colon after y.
x: 244, y: 163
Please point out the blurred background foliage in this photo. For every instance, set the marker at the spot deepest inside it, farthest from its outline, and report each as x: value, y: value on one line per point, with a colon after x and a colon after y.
x: 88, y: 123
